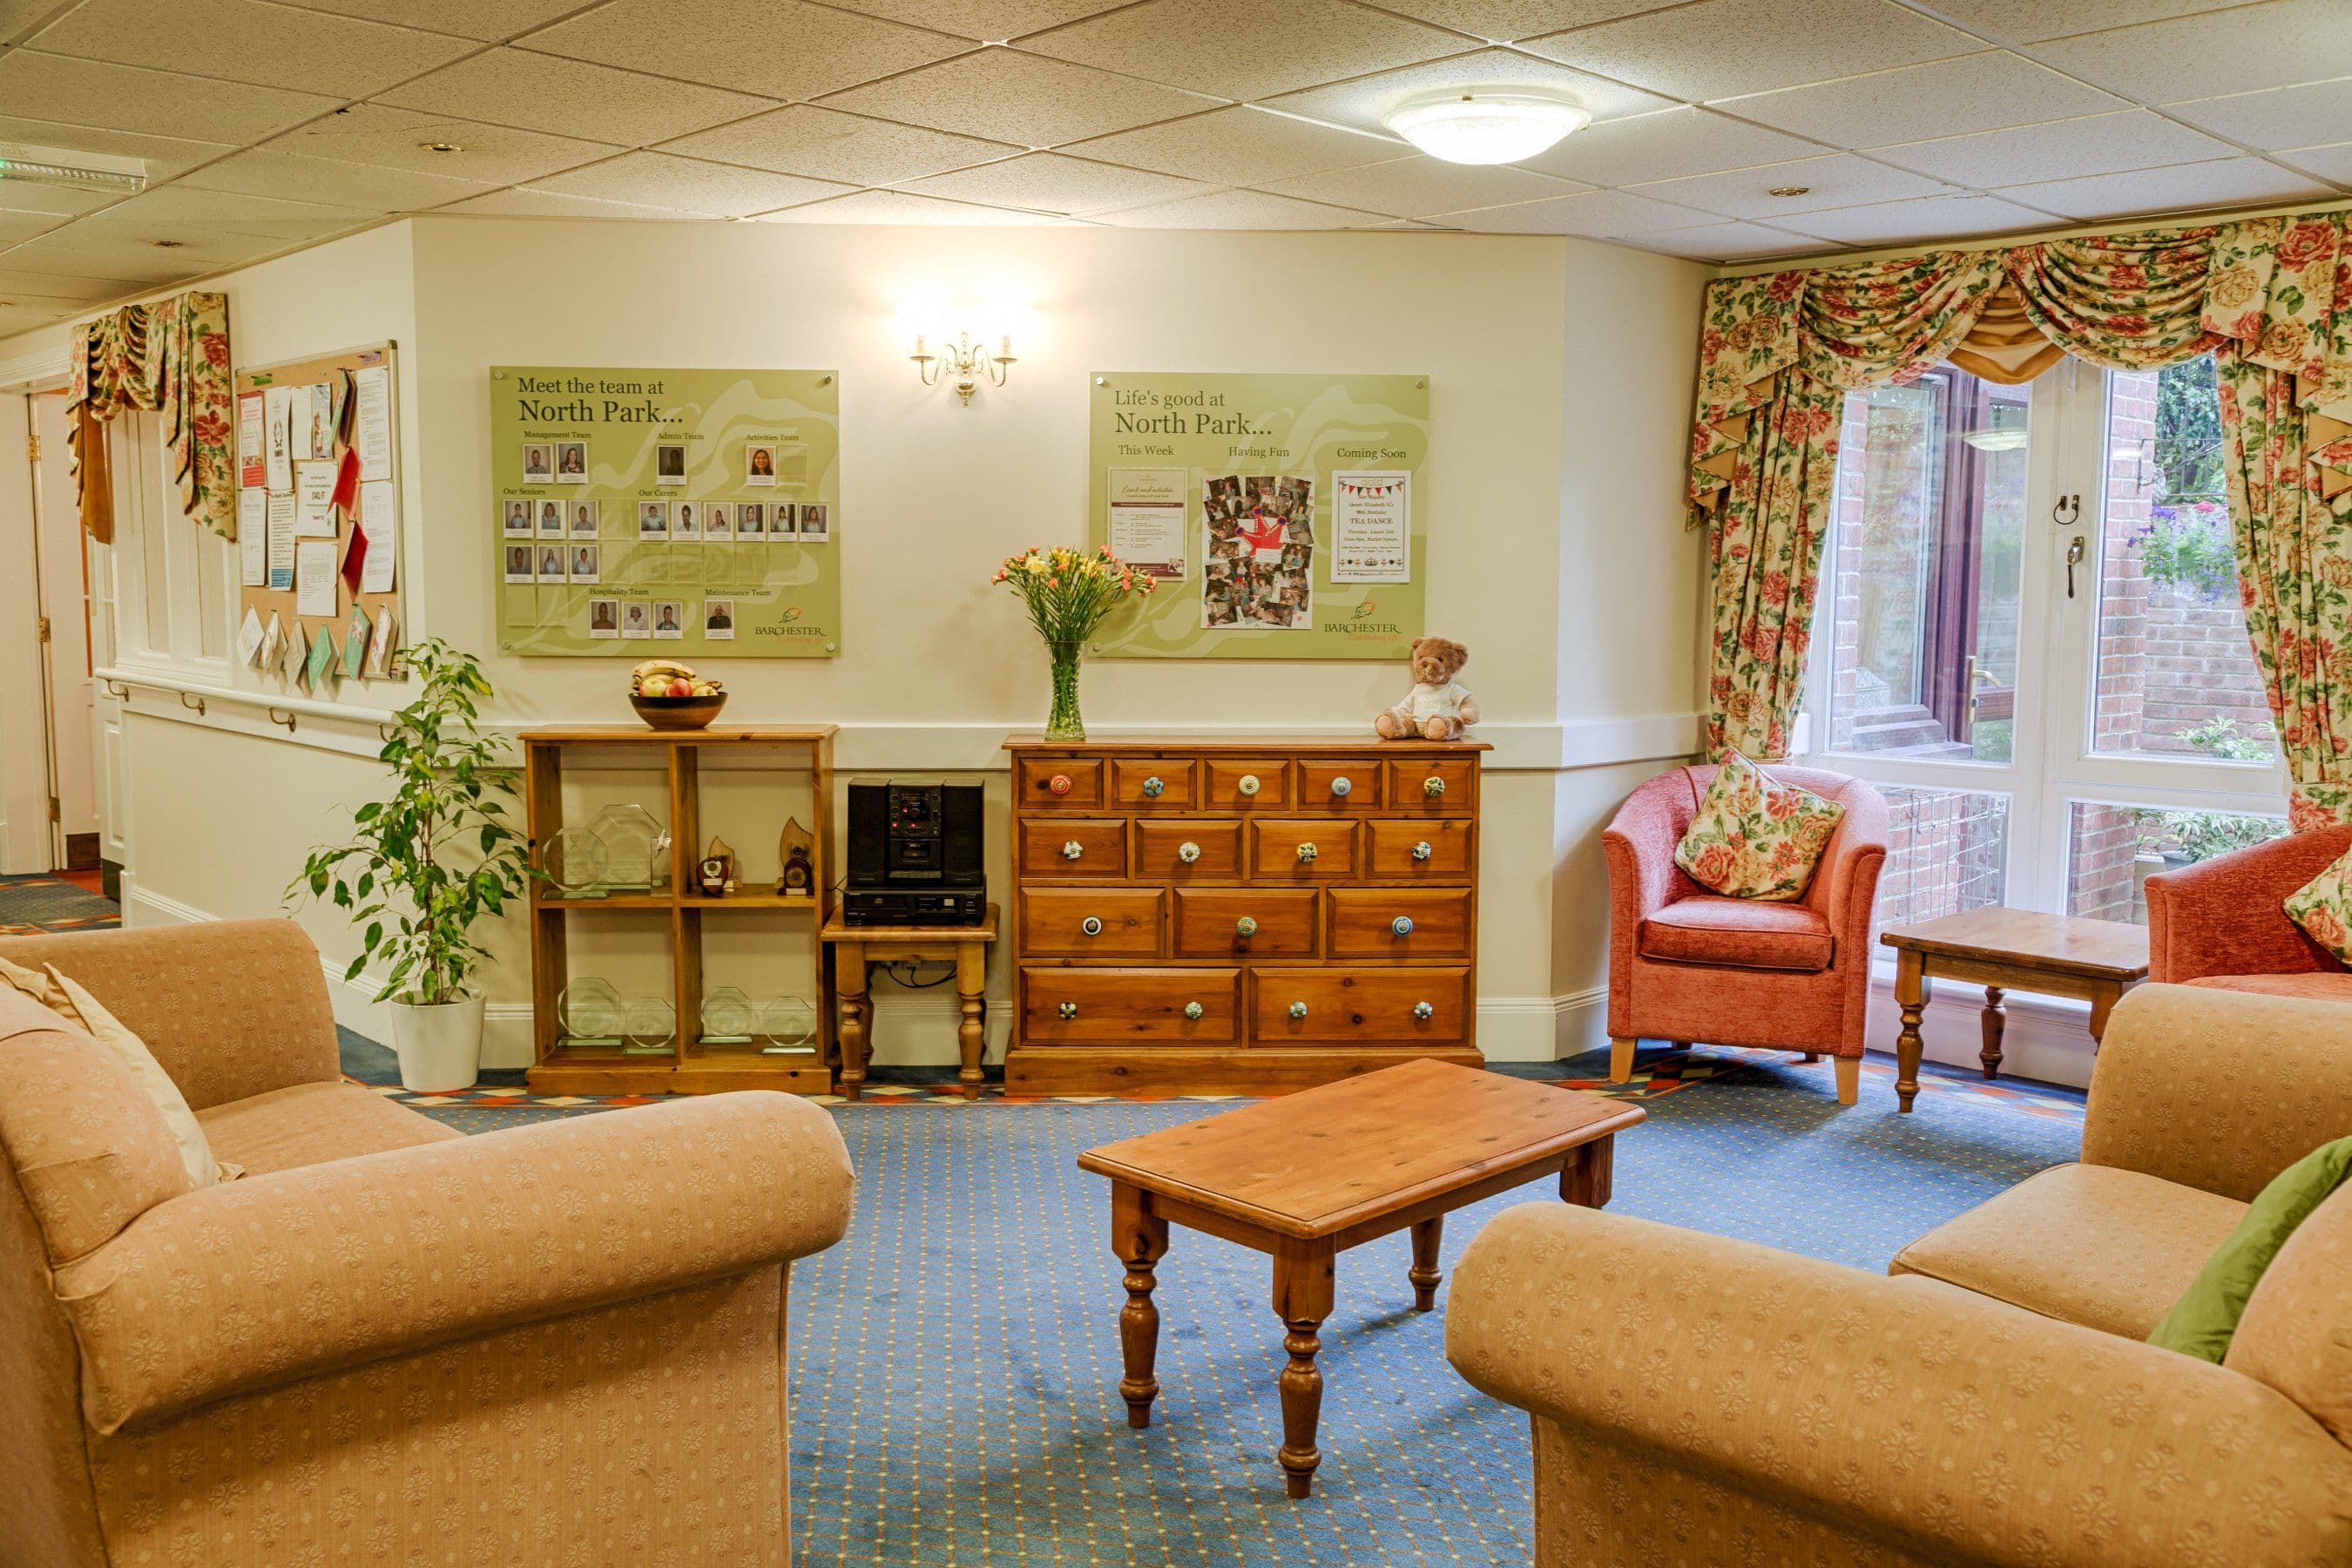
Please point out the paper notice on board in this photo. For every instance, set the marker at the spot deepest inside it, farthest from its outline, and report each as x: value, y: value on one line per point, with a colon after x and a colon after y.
x: 379, y: 651
x: 273, y: 643
x: 252, y: 460
x: 277, y: 438
x: 323, y: 420
x: 249, y: 637
x: 314, y: 496
x: 1371, y: 526
x: 314, y: 577
x: 281, y: 528
x: 372, y: 425
x: 253, y: 537
x: 377, y: 522
x: 1147, y: 519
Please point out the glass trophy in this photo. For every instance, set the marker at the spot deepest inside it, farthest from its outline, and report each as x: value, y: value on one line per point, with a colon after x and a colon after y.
x: 575, y: 861
x: 727, y: 1017
x: 788, y: 1028
x: 588, y: 1017
x: 651, y: 1024
x: 635, y: 844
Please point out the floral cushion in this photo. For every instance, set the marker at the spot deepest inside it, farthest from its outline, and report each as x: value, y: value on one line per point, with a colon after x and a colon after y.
x: 2323, y: 907
x: 1755, y: 837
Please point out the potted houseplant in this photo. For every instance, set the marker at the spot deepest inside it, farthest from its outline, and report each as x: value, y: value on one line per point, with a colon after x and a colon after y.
x: 1069, y: 592
x: 425, y: 866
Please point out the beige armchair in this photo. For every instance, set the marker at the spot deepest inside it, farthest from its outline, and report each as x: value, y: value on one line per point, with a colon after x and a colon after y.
x: 1697, y: 1400
x: 386, y: 1343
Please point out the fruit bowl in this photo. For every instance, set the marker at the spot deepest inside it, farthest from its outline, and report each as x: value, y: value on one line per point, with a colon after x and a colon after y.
x: 679, y: 713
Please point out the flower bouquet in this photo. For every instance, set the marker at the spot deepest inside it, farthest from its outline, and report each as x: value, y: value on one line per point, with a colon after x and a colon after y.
x: 1069, y: 593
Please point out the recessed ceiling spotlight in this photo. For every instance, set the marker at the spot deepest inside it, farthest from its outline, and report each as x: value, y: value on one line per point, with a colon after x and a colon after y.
x: 1493, y: 125
x: 1790, y: 190
x: 166, y: 243
x: 440, y: 147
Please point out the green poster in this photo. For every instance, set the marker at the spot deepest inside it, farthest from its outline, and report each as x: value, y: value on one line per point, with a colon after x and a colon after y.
x: 644, y: 513
x: 1284, y: 515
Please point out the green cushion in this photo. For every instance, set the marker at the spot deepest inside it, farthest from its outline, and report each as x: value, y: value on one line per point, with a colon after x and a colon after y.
x: 2202, y: 1323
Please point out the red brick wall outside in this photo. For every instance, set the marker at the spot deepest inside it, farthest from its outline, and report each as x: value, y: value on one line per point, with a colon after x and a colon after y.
x: 1946, y: 850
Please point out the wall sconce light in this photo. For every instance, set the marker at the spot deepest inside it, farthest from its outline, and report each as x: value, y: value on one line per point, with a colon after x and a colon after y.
x: 964, y: 360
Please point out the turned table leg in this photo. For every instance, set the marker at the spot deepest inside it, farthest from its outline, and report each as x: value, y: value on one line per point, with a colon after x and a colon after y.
x: 2101, y: 1006
x: 1424, y: 1272
x: 1585, y: 1179
x: 1995, y: 1017
x: 1911, y: 991
x: 972, y: 1033
x: 1139, y: 1237
x: 856, y: 1020
x: 1302, y: 1299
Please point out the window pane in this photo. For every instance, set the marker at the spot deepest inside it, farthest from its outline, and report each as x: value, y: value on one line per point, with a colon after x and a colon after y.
x: 2175, y: 674
x: 1929, y: 528
x: 1946, y: 850
x: 2111, y: 850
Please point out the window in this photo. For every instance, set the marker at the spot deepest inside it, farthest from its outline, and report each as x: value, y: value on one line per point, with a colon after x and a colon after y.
x: 2047, y: 730
x: 173, y: 583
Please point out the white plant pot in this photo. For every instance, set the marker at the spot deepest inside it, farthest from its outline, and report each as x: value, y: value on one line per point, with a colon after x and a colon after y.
x: 439, y: 1044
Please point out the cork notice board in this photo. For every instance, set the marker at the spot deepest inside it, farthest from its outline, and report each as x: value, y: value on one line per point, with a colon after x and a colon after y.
x: 349, y: 421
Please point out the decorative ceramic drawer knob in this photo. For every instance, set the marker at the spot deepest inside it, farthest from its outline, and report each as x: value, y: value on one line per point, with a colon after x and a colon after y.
x: 1073, y: 849
x: 1188, y: 852
x: 1401, y: 925
x: 1298, y: 1009
x: 1306, y: 852
x: 1059, y: 784
x: 1091, y: 925
x: 1340, y: 786
x: 1423, y: 1011
x: 1245, y: 926
x: 1153, y: 786
x: 1248, y: 784
x: 1069, y: 1009
x: 1433, y: 787
x: 1420, y: 850
x: 1193, y: 1009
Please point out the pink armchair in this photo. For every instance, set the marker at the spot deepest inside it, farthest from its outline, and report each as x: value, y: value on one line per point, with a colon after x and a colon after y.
x: 1687, y: 965
x: 2218, y: 923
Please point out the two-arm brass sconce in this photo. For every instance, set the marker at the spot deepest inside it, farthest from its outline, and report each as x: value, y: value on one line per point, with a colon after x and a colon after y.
x: 964, y: 360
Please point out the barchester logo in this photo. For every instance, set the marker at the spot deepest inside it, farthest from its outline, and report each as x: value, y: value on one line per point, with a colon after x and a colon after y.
x: 1366, y: 608
x: 792, y: 613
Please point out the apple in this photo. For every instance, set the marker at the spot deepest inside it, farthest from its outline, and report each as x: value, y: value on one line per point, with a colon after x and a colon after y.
x: 681, y: 689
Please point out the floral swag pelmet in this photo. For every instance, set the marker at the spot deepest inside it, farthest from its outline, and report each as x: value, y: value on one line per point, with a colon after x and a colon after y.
x: 170, y: 358
x: 2270, y: 299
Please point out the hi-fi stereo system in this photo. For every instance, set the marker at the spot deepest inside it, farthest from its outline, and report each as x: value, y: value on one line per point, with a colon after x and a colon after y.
x: 915, y: 853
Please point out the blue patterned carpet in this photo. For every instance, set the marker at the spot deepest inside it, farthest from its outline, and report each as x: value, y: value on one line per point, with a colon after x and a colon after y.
x: 33, y: 904
x: 956, y: 1360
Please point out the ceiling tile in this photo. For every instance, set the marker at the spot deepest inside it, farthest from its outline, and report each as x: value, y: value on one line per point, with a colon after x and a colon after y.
x: 1839, y: 180
x: 1597, y: 214
x: 1727, y: 242
x: 2332, y: 163
x: 246, y: 41
x: 1239, y: 209
x: 525, y: 201
x: 827, y: 144
x: 1929, y: 218
x: 1420, y: 185
x: 16, y: 226
x: 2031, y: 21
x: 20, y: 284
x: 264, y: 217
x: 899, y: 208
x: 22, y: 315
x: 572, y: 97
x: 992, y: 21
x: 2062, y: 150
x: 660, y: 180
x: 1666, y: 145
x: 2279, y: 44
x: 1007, y: 96
x: 1244, y: 48
x: 784, y: 48
x: 1240, y: 146
x: 482, y: 19
x: 63, y: 201
x: 165, y: 156
x: 153, y: 103
x: 202, y: 246
x: 1946, y: 98
x: 268, y: 172
x: 393, y: 138
x: 1502, y: 21
x: 2224, y: 182
x: 1721, y: 47
x: 1361, y: 102
x: 2283, y: 117
x: 1050, y: 182
x: 83, y: 253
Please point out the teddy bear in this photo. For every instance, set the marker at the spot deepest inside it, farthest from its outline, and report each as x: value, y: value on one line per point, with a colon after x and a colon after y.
x: 1436, y: 709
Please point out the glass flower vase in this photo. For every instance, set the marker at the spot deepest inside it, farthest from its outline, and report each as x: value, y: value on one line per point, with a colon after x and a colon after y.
x: 1064, y: 722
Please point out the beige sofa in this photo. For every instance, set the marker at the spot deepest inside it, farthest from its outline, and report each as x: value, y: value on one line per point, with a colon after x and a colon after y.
x: 562, y: 1344
x: 1697, y: 1400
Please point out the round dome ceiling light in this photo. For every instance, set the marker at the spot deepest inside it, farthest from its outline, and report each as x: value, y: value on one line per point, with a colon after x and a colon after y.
x: 1486, y: 124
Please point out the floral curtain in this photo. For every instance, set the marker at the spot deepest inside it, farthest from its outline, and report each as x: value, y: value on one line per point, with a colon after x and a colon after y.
x: 169, y: 357
x: 2270, y: 299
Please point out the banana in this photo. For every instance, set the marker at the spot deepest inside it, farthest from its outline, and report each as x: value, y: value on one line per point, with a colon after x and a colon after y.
x: 661, y: 667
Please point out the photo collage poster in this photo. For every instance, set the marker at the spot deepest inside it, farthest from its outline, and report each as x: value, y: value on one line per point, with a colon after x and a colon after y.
x: 1258, y: 550
x: 694, y: 508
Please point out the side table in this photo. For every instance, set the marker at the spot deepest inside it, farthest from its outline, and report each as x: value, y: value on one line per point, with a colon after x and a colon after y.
x: 855, y: 949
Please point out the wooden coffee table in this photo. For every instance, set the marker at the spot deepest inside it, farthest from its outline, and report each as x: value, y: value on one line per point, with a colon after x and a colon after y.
x: 1307, y: 1176
x: 2005, y: 950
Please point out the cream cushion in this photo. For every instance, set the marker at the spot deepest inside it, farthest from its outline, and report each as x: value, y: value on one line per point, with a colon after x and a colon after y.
x: 78, y: 1007
x: 2297, y: 1334
x: 2108, y: 1248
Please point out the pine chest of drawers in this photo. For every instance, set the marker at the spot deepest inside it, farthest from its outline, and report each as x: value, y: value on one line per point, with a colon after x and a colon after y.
x: 1240, y: 916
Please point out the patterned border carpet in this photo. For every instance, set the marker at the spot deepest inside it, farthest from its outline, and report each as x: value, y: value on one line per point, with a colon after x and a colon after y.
x: 955, y: 1361
x: 30, y: 905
